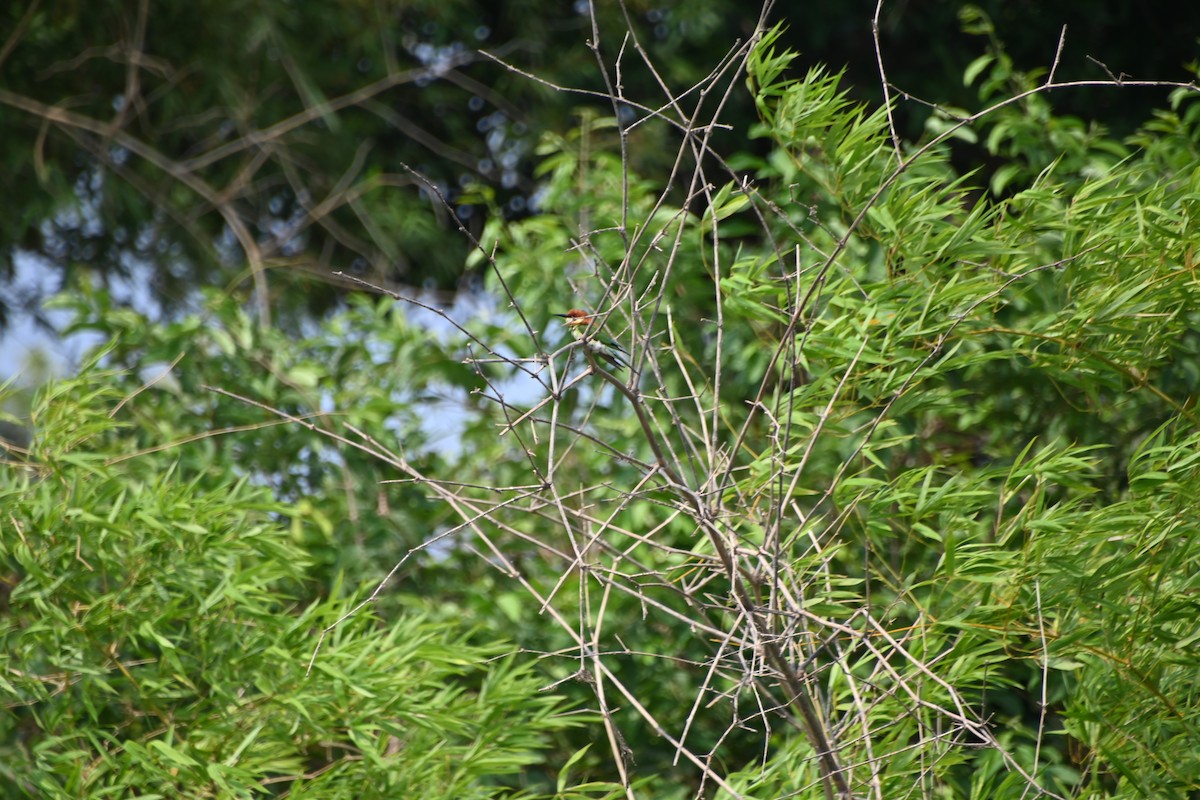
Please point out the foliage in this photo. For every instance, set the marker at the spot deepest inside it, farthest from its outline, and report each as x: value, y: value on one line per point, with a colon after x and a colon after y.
x: 225, y: 144
x: 894, y: 500
x: 157, y: 633
x: 898, y: 451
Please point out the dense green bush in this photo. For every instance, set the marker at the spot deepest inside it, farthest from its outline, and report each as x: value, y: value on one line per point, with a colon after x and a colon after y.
x: 159, y: 621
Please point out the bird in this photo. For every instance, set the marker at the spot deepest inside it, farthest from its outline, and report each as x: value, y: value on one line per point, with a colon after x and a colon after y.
x: 578, y: 322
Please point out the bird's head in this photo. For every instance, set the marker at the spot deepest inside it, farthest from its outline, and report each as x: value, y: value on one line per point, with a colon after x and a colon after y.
x: 576, y: 318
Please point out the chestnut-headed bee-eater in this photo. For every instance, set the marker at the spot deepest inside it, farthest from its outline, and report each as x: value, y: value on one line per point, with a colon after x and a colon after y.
x: 578, y: 322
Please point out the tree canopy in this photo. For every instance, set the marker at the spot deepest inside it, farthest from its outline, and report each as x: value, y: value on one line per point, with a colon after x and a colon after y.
x: 895, y: 497
x: 260, y: 147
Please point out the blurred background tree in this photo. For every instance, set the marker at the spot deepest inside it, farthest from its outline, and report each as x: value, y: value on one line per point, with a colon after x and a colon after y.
x: 262, y: 146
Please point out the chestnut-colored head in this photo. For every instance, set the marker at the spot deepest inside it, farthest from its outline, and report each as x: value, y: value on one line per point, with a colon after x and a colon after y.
x: 576, y: 318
